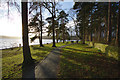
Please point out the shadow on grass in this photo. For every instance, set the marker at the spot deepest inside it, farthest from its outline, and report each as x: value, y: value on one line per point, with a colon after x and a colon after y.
x: 39, y: 54
x: 79, y: 64
x: 83, y: 50
x: 119, y: 59
x: 45, y: 48
x: 28, y: 71
x: 74, y: 70
x: 88, y: 47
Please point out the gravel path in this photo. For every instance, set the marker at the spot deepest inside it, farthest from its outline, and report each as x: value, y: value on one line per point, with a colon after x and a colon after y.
x: 49, y: 66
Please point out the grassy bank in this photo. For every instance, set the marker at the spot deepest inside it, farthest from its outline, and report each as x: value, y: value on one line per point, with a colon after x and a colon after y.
x: 12, y: 59
x: 82, y: 61
x: 109, y: 50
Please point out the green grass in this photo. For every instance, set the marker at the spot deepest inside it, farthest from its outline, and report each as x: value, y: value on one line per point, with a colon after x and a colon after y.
x: 109, y: 50
x: 12, y: 59
x: 82, y: 61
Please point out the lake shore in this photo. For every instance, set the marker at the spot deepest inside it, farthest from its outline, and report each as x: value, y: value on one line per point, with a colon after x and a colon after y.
x: 12, y: 59
x: 8, y: 44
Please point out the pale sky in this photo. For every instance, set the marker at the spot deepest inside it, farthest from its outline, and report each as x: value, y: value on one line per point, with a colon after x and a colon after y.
x: 10, y: 25
x: 13, y: 26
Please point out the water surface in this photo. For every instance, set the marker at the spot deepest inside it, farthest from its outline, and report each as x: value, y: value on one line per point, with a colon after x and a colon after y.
x: 9, y: 43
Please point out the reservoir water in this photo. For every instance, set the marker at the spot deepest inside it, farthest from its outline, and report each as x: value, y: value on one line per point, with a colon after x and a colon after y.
x: 9, y: 43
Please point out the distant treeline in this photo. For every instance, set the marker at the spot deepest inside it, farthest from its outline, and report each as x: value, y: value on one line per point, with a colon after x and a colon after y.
x: 12, y: 37
x: 9, y: 37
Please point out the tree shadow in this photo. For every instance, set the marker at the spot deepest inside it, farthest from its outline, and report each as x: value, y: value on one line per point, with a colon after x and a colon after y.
x: 83, y: 50
x: 94, y: 55
x: 119, y: 60
x: 73, y: 70
x: 42, y: 48
x: 38, y: 54
x: 88, y: 47
x: 28, y: 71
x: 81, y: 65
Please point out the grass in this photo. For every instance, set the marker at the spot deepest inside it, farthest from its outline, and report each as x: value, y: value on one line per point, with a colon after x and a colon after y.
x: 109, y: 50
x: 12, y: 59
x: 82, y: 61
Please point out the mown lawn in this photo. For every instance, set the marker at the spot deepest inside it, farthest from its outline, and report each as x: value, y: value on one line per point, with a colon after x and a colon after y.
x: 82, y: 61
x: 12, y: 59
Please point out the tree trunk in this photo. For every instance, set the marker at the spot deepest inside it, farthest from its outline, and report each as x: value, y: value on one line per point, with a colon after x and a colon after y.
x: 57, y: 40
x: 57, y: 35
x: 39, y: 39
x: 84, y: 28
x: 53, y: 24
x: 119, y: 38
x: 106, y: 24
x: 83, y: 34
x: 87, y: 36
x: 99, y: 34
x: 119, y: 28
x: 116, y: 41
x: 116, y: 37
x: 95, y: 35
x: 91, y: 36
x: 41, y: 45
x: 63, y: 35
x: 91, y: 24
x: 26, y: 48
x: 109, y: 24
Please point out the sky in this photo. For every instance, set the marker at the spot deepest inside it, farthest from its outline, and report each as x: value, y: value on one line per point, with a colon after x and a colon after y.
x: 11, y: 25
